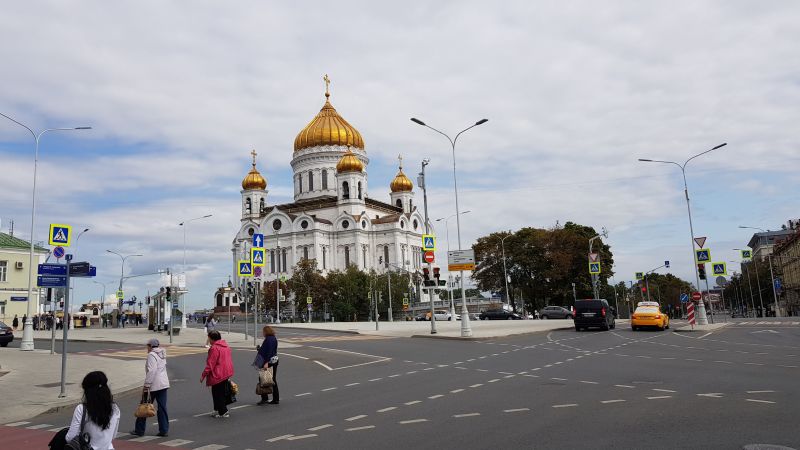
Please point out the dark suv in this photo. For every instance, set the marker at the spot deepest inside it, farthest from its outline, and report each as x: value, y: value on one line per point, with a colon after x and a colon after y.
x: 499, y: 314
x: 594, y: 313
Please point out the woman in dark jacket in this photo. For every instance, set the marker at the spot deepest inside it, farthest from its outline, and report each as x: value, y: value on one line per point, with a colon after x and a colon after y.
x: 268, y: 353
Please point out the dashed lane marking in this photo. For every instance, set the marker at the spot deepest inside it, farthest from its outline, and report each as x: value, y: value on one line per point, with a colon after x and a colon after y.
x: 759, y: 401
x: 329, y: 389
x: 665, y: 390
x: 279, y: 438
x: 566, y: 405
x: 589, y: 382
x: 432, y: 397
x: 367, y: 427
x: 413, y: 402
x: 711, y: 395
x: 235, y: 407
x: 516, y: 410
x: 176, y: 442
x: 351, y: 384
x: 41, y: 425
x: 625, y: 386
x: 473, y: 386
x: 360, y: 416
x: 659, y: 397
x: 456, y: 391
x: 611, y: 401
x: 458, y: 416
x: 320, y: 427
x: 303, y: 394
x: 494, y: 380
x: 376, y: 379
x: 558, y: 379
x: 387, y: 409
x: 304, y: 436
x: 408, y: 422
x: 211, y: 447
x: 760, y: 392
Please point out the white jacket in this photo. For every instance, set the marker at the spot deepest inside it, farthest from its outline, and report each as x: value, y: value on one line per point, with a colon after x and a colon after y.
x: 156, y: 370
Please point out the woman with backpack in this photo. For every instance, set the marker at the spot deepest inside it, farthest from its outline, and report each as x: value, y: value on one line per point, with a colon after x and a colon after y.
x: 95, y: 421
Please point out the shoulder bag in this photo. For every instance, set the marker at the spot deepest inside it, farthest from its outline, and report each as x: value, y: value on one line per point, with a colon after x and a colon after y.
x: 82, y: 441
x: 146, y: 408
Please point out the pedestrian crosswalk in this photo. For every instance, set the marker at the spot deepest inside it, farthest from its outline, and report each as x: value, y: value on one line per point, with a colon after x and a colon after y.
x: 772, y: 323
x: 334, y: 338
x: 141, y: 353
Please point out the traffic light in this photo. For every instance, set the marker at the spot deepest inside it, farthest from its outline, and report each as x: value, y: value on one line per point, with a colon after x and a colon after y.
x: 644, y: 290
x: 437, y: 275
x: 148, y: 300
x: 169, y: 293
x: 701, y: 270
x: 426, y: 275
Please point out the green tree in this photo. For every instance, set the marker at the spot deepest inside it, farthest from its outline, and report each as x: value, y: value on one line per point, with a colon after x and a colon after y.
x: 307, y: 281
x: 350, y: 293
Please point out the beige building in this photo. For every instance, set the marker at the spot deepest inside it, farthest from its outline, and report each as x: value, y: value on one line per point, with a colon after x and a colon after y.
x: 14, y: 272
x: 786, y: 260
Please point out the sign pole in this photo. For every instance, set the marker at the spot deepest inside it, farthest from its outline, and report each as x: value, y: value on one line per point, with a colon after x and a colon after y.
x: 65, y: 329
x: 710, y: 305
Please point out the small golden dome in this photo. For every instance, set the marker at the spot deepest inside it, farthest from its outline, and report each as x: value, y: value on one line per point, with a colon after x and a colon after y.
x: 254, y: 180
x: 328, y: 128
x: 349, y: 162
x: 401, y: 182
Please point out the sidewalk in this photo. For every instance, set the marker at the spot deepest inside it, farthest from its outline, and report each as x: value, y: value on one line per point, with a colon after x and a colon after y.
x: 481, y: 329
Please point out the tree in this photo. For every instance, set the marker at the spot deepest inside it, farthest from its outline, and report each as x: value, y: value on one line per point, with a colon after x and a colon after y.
x: 307, y: 281
x: 350, y: 293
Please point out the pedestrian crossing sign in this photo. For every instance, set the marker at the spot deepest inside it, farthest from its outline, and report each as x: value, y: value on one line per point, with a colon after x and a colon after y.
x: 719, y: 268
x: 428, y: 242
x: 120, y: 295
x: 60, y: 234
x: 257, y: 256
x: 747, y: 254
x: 640, y: 275
x: 594, y: 268
x: 702, y: 255
x: 245, y: 269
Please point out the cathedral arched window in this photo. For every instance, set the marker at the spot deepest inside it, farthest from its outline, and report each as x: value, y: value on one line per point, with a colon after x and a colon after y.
x: 324, y: 258
x: 364, y: 256
x: 410, y: 204
x: 272, y: 261
x: 248, y: 206
x: 262, y: 205
x: 310, y: 181
x: 386, y: 255
x: 305, y: 252
x: 300, y: 182
x: 284, y: 260
x: 347, y: 256
x: 324, y: 179
x: 399, y: 203
x: 345, y: 190
x: 359, y: 190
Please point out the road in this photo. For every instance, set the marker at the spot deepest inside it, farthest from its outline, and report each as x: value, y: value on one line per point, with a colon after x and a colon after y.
x: 616, y: 389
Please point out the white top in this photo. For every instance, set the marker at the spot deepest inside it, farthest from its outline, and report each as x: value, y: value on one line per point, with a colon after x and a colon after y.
x: 101, y: 439
x: 156, y: 370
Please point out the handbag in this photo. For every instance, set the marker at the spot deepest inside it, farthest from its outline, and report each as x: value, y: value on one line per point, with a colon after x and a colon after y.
x: 146, y: 408
x: 82, y: 441
x: 263, y: 390
x: 230, y: 391
x: 234, y: 388
x: 265, y: 377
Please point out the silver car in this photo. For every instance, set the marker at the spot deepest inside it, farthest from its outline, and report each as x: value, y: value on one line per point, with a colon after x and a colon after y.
x: 555, y: 312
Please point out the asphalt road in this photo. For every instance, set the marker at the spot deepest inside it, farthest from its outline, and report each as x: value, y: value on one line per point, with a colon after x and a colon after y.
x: 617, y: 389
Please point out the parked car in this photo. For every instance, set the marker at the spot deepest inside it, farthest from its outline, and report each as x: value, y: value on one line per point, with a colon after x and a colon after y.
x: 648, y: 314
x: 442, y: 314
x: 555, y: 312
x: 594, y: 313
x: 421, y: 317
x: 499, y: 314
x: 6, y: 334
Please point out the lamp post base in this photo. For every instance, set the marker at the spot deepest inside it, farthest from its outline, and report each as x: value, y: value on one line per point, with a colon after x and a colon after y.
x: 700, y: 312
x: 466, y: 329
x: 27, y: 337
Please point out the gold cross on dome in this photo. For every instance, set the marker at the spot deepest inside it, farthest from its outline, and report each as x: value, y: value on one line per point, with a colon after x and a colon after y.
x: 254, y: 156
x: 327, y: 85
x: 400, y: 158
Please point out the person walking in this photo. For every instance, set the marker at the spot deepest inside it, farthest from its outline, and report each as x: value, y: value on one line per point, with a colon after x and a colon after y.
x: 15, y: 322
x: 268, y: 357
x: 218, y: 370
x: 156, y: 382
x: 211, y: 325
x: 96, y: 418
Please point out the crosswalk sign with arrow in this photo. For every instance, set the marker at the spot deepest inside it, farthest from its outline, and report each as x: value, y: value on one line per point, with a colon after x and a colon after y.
x: 594, y: 268
x: 257, y: 256
x: 719, y: 268
x: 245, y: 269
x: 60, y: 234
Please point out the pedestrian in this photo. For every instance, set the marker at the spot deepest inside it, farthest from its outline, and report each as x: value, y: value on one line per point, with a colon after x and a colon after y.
x: 35, y: 322
x: 219, y: 369
x: 24, y: 320
x: 211, y: 325
x: 124, y: 319
x: 268, y: 357
x: 96, y: 418
x: 15, y: 322
x: 233, y: 319
x: 156, y: 382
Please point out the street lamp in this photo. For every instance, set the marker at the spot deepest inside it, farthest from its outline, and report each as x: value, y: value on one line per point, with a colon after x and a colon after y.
x: 449, y: 276
x: 595, y: 278
x: 122, y: 269
x: 505, y: 273
x: 27, y: 330
x: 74, y: 254
x: 102, y: 299
x: 772, y: 275
x: 183, y: 295
x: 701, y: 309
x: 466, y: 330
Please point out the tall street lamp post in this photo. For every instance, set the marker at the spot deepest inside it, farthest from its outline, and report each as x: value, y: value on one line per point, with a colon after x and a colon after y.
x: 185, y: 284
x: 71, y: 281
x: 702, y: 319
x: 595, y: 278
x: 27, y: 330
x: 122, y: 273
x: 449, y: 276
x: 423, y: 183
x: 505, y: 273
x: 466, y: 330
x: 771, y: 275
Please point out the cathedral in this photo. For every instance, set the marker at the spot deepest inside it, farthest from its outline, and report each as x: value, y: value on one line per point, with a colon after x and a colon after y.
x: 333, y: 218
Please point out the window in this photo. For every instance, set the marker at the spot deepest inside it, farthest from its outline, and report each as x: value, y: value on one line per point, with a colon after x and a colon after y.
x: 402, y: 261
x: 284, y: 260
x: 276, y: 224
x: 364, y: 256
x: 416, y: 224
x: 347, y: 256
x: 399, y: 203
x: 345, y: 224
x: 263, y: 205
x: 324, y: 258
x: 310, y: 181
x: 3, y: 271
x: 305, y: 252
x: 324, y: 179
x: 386, y: 255
x: 300, y: 182
x: 248, y: 206
x: 359, y: 190
x: 345, y: 190
x: 304, y: 224
x: 410, y: 205
x: 364, y: 224
x: 402, y: 224
x: 272, y: 261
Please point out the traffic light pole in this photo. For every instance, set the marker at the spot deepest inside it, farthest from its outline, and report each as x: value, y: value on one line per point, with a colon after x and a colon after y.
x: 424, y: 186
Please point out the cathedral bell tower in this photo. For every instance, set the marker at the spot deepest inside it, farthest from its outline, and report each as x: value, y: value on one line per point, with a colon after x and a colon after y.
x: 254, y: 192
x: 351, y: 182
x: 402, y: 189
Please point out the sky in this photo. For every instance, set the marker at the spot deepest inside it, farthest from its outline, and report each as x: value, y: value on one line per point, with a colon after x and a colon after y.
x: 177, y: 95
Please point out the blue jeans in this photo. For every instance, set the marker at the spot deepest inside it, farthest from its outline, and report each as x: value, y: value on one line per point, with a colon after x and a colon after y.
x: 159, y: 397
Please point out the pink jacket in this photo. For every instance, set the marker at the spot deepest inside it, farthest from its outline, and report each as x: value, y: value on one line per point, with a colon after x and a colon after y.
x: 219, y: 364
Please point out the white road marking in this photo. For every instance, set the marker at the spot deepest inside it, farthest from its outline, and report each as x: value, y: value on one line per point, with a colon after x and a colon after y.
x: 759, y: 401
x: 707, y: 334
x: 376, y: 379
x: 411, y: 372
x: 299, y: 395
x: 753, y: 364
x: 56, y: 430
x: 760, y: 392
x: 787, y: 366
x: 387, y: 409
x: 559, y: 379
x: 324, y: 365
x: 397, y: 374
x: 456, y: 391
x: 235, y: 407
x: 473, y: 386
x: 143, y: 439
x: 294, y: 356
x: 176, y: 442
x: 567, y: 405
x: 612, y: 401
x: 351, y: 384
x: 360, y: 416
x: 624, y: 386
x: 590, y: 382
x: 667, y: 359
x: 723, y: 362
x: 460, y: 368
x: 664, y: 390
x: 659, y: 397
x: 516, y: 410
x: 494, y: 380
x: 41, y: 425
x: 304, y: 436
x: 414, y: 402
x: 429, y: 368
x: 406, y: 422
x: 711, y: 395
x: 321, y: 427
x: 505, y: 373
x: 458, y: 416
x: 16, y: 424
x: 329, y: 389
x: 692, y: 359
x: 360, y: 428
x: 210, y: 447
x: 509, y: 376
x: 432, y: 397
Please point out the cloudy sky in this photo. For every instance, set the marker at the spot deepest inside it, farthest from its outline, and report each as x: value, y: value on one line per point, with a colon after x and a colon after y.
x: 178, y: 93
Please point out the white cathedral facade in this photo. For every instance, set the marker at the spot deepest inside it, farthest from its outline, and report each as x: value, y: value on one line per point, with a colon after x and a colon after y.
x: 333, y: 218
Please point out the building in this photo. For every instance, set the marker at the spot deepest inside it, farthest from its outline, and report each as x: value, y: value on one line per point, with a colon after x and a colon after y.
x: 227, y: 300
x: 14, y: 274
x: 762, y: 243
x: 786, y: 263
x: 334, y: 218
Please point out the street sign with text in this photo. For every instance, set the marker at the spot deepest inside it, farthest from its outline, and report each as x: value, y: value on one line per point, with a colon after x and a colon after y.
x: 51, y: 281
x: 53, y: 269
x: 458, y: 260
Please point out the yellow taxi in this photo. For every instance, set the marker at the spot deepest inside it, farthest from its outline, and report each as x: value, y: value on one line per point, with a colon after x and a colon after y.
x: 648, y: 314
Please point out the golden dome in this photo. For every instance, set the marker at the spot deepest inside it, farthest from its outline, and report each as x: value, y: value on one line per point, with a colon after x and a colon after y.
x: 401, y: 182
x: 254, y: 180
x: 349, y: 162
x: 328, y: 128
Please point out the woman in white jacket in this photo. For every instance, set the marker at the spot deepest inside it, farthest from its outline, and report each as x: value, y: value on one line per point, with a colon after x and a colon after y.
x: 157, y: 382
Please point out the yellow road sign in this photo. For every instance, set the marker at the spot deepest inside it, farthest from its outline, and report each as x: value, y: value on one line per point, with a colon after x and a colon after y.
x: 702, y: 255
x: 257, y: 257
x: 428, y: 242
x: 460, y: 267
x: 640, y: 276
x: 245, y: 269
x: 60, y: 235
x: 719, y: 268
x: 594, y: 268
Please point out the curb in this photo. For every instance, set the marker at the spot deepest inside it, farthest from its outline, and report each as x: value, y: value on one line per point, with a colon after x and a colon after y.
x: 483, y: 338
x: 70, y: 403
x: 286, y: 327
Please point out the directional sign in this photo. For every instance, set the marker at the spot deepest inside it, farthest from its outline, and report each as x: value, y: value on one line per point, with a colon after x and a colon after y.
x: 58, y: 252
x: 702, y: 255
x: 594, y: 268
x: 60, y: 234
x: 458, y: 260
x: 51, y: 281
x: 428, y: 242
x: 696, y: 296
x: 258, y: 241
x: 640, y: 275
x: 684, y: 298
x: 245, y: 269
x: 429, y: 257
x: 79, y: 269
x: 257, y: 256
x: 53, y: 269
x: 747, y: 254
x: 593, y: 257
x: 700, y: 241
x: 719, y: 268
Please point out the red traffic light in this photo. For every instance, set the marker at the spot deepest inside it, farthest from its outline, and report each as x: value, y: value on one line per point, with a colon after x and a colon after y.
x: 436, y: 273
x: 426, y: 273
x: 644, y: 290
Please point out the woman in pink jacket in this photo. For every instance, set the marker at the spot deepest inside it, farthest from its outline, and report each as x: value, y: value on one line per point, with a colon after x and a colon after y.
x: 219, y: 368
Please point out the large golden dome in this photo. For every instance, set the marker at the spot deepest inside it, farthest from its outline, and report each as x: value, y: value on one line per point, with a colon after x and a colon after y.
x: 328, y: 128
x: 349, y: 162
x: 401, y: 182
x: 254, y: 180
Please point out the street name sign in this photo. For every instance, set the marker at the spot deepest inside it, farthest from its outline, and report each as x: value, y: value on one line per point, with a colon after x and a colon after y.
x: 257, y: 256
x: 258, y: 240
x: 245, y: 269
x: 60, y: 234
x: 702, y: 255
x: 51, y: 281
x: 719, y: 268
x: 458, y: 260
x: 594, y: 268
x: 428, y: 242
x: 700, y: 241
x: 53, y: 269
